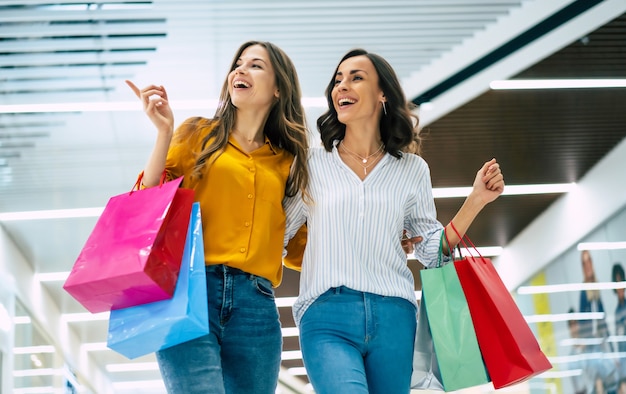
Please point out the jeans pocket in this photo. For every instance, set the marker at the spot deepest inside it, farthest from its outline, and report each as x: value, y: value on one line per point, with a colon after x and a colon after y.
x: 325, y: 296
x: 264, y: 287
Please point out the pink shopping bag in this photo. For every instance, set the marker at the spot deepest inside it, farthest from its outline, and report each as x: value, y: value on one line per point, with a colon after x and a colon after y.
x: 134, y: 252
x: 147, y: 328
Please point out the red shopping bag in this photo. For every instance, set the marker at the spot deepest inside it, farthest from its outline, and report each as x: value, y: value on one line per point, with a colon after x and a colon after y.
x: 134, y: 252
x: 509, y: 347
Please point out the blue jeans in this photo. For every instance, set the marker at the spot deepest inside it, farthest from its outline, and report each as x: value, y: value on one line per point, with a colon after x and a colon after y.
x: 354, y: 342
x: 241, y: 354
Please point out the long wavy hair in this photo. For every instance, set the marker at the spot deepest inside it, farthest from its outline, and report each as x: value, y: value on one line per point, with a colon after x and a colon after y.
x: 285, y: 126
x: 398, y: 127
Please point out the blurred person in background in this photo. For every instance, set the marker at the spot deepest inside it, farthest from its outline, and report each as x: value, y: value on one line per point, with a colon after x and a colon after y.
x: 590, y: 302
x: 617, y: 274
x: 598, y: 373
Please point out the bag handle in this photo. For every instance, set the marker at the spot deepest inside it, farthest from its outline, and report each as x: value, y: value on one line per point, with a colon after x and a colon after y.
x: 138, y: 184
x: 450, y: 252
x: 464, y: 243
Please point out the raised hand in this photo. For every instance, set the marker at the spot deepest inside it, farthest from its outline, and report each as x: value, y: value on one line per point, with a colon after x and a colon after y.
x: 155, y: 105
x: 489, y: 181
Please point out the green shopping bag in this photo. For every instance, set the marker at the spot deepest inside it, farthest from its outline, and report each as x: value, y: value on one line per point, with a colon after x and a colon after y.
x: 455, y: 345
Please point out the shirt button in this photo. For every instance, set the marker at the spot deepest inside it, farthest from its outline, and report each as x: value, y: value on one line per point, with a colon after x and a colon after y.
x: 250, y: 195
x: 242, y: 250
x: 251, y: 169
x: 247, y: 224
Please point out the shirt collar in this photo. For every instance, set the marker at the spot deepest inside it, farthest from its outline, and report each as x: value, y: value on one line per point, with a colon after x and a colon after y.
x: 233, y: 142
x: 268, y: 142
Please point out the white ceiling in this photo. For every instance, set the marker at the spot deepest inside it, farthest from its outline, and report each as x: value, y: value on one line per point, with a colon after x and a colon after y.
x: 81, y: 53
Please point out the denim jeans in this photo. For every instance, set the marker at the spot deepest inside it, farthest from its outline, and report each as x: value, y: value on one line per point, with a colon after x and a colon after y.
x: 355, y: 342
x: 241, y: 354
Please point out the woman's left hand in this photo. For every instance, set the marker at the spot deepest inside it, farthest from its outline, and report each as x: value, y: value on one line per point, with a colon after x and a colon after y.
x: 489, y: 181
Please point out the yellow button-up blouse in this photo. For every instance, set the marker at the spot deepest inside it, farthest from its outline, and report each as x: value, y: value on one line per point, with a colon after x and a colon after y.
x: 240, y: 197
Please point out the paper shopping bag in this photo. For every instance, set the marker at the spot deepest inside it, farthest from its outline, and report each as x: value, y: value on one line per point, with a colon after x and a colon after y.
x: 133, y: 254
x: 458, y: 355
x: 509, y: 348
x: 147, y: 328
x: 426, y: 374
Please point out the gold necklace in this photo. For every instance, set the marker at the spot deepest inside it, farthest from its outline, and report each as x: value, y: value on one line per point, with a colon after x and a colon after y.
x: 362, y: 161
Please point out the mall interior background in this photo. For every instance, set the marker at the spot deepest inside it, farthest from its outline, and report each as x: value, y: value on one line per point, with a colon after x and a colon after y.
x: 72, y: 135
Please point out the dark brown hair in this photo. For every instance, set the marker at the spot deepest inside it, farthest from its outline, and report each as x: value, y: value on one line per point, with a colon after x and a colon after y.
x: 398, y: 127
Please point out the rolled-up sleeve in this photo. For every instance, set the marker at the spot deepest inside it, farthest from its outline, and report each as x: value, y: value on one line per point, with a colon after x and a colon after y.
x: 295, y: 217
x: 422, y: 221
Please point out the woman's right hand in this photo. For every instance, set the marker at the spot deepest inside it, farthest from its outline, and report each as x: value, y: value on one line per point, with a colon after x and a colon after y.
x: 155, y: 105
x: 408, y: 244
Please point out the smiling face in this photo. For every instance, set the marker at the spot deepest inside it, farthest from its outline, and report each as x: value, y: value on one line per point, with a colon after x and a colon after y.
x: 356, y: 94
x: 252, y: 82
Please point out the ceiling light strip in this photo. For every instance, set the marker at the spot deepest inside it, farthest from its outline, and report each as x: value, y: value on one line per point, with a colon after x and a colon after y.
x: 290, y: 331
x: 52, y: 214
x: 515, y: 84
x: 37, y: 372
x: 132, y: 367
x: 35, y: 390
x: 139, y: 385
x: 453, y: 192
x: 52, y: 276
x: 34, y: 349
x: 285, y: 302
x: 535, y: 32
x: 291, y: 355
x: 481, y: 251
x: 593, y: 341
x: 297, y: 371
x: 509, y: 190
x: 565, y: 287
x: 560, y: 374
x: 601, y: 245
x: 564, y: 317
x: 586, y: 357
x: 84, y: 317
x: 125, y: 106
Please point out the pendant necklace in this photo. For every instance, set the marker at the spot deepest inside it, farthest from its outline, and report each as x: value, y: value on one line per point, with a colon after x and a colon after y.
x: 362, y: 161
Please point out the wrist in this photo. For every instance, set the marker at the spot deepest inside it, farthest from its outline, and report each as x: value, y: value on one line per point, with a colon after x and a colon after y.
x: 475, y: 201
x: 166, y: 130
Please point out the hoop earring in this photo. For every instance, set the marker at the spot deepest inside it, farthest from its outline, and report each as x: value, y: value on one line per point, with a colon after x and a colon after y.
x: 384, y: 107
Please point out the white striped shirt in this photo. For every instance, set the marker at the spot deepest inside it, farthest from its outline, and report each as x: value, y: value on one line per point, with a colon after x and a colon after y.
x: 355, y: 227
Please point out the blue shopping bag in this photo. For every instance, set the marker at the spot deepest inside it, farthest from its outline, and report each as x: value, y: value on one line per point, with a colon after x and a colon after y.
x: 147, y: 328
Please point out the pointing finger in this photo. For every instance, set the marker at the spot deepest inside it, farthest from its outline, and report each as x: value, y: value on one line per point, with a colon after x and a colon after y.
x: 134, y: 88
